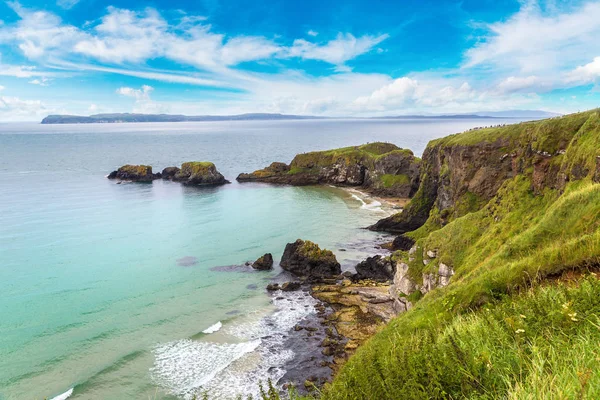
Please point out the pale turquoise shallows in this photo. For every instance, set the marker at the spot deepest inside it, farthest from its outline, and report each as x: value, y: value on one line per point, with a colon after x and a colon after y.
x: 92, y: 296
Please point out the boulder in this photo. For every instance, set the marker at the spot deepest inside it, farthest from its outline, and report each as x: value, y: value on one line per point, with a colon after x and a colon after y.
x: 169, y: 172
x: 402, y: 243
x: 134, y: 173
x: 305, y: 259
x: 264, y: 263
x: 199, y: 173
x: 290, y: 286
x: 377, y: 268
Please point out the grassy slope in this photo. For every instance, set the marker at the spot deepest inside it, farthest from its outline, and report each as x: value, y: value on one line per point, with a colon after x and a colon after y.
x: 465, y: 340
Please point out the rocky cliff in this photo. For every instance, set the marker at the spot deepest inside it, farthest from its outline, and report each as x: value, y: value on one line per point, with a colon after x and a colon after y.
x: 382, y: 168
x: 461, y: 173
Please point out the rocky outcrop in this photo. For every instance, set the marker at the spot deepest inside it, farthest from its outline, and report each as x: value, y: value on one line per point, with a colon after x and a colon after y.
x: 134, y: 173
x: 264, y: 262
x: 382, y: 168
x: 461, y: 173
x: 169, y: 172
x: 403, y: 243
x: 198, y: 173
x: 305, y: 259
x: 405, y: 288
x: 376, y: 268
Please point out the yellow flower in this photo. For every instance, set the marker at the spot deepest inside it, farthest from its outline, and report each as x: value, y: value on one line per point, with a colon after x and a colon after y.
x: 520, y: 331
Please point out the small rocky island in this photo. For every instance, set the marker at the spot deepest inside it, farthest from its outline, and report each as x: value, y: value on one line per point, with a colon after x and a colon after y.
x: 198, y: 173
x: 383, y: 169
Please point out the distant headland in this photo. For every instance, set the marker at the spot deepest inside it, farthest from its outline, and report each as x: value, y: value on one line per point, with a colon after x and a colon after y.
x: 131, y: 117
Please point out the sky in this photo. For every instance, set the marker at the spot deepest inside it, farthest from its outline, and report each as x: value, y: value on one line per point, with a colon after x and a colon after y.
x: 326, y: 57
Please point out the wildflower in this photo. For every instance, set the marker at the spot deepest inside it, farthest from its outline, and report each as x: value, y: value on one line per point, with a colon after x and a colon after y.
x: 520, y: 331
x: 523, y: 316
x: 573, y: 317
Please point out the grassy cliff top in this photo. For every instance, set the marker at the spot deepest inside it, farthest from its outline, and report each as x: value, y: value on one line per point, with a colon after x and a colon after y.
x: 504, y: 327
x: 136, y: 169
x: 196, y: 167
x: 365, y: 154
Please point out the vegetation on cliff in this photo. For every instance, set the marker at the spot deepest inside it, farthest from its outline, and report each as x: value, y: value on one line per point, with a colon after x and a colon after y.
x: 509, y: 209
x: 382, y: 168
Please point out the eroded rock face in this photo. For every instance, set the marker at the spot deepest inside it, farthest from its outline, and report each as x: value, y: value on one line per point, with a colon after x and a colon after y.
x: 134, y: 173
x: 263, y: 263
x: 383, y: 168
x: 199, y: 173
x: 377, y: 268
x: 461, y: 173
x: 305, y: 259
x: 402, y: 243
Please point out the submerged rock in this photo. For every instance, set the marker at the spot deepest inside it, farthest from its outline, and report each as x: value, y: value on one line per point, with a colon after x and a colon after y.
x: 306, y: 259
x: 264, y: 263
x: 134, y: 173
x: 199, y: 173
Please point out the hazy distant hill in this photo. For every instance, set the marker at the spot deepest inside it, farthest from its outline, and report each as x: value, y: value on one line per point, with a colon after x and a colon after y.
x: 127, y: 117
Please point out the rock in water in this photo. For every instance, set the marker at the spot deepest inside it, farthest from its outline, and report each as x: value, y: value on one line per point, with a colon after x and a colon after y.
x: 134, y: 173
x: 169, y: 172
x: 200, y: 173
x: 305, y: 259
x: 377, y: 268
x: 264, y: 263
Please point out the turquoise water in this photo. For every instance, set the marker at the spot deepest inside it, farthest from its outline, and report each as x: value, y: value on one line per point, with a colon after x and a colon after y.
x: 92, y: 295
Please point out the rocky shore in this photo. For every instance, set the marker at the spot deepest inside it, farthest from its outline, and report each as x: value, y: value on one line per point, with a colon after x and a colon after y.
x: 197, y: 173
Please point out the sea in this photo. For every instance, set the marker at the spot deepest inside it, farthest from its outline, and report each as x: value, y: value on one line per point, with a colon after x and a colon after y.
x: 139, y: 291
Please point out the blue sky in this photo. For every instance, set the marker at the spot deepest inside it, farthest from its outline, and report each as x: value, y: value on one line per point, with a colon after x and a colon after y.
x: 335, y: 58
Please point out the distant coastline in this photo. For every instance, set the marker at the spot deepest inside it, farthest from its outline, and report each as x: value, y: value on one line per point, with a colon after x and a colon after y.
x: 131, y: 118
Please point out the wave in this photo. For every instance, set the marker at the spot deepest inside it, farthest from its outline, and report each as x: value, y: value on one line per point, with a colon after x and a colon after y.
x: 213, y: 328
x: 64, y: 395
x: 189, y: 368
x: 372, y: 205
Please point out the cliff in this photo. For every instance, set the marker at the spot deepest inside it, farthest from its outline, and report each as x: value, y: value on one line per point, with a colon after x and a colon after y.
x: 382, y: 168
x: 498, y: 297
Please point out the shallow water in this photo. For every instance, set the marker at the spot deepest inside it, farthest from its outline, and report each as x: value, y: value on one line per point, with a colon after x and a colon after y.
x: 108, y: 288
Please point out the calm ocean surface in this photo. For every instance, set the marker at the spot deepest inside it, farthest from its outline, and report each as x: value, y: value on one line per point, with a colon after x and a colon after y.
x: 92, y: 297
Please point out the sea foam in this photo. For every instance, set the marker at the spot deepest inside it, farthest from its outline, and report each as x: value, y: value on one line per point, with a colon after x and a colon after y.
x: 63, y: 396
x: 213, y: 328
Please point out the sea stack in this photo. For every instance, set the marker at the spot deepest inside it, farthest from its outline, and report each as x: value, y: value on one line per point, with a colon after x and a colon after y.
x: 198, y: 173
x: 134, y: 173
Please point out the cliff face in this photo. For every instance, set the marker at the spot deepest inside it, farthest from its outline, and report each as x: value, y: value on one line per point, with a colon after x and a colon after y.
x: 382, y: 168
x: 461, y: 173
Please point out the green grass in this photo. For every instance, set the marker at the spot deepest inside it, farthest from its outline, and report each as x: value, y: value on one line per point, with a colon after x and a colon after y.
x: 539, y: 344
x: 498, y: 331
x: 389, y: 180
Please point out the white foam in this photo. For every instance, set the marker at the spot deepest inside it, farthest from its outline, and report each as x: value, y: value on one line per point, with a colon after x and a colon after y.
x: 186, y: 365
x: 224, y: 370
x: 63, y: 396
x: 213, y: 328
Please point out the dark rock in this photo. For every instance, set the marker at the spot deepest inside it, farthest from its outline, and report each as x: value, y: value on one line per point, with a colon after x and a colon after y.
x: 306, y: 259
x: 377, y: 268
x: 264, y: 263
x: 290, y: 286
x: 271, y: 287
x: 134, y: 173
x: 170, y: 172
x: 402, y: 243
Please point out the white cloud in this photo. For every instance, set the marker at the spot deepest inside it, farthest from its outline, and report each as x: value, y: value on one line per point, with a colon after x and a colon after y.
x: 393, y: 95
x: 312, y: 33
x: 67, y: 4
x: 43, y: 81
x: 584, y: 74
x: 338, y: 51
x: 143, y: 103
x: 514, y: 84
x: 93, y: 108
x: 16, y: 109
x: 2, y: 88
x: 533, y: 42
